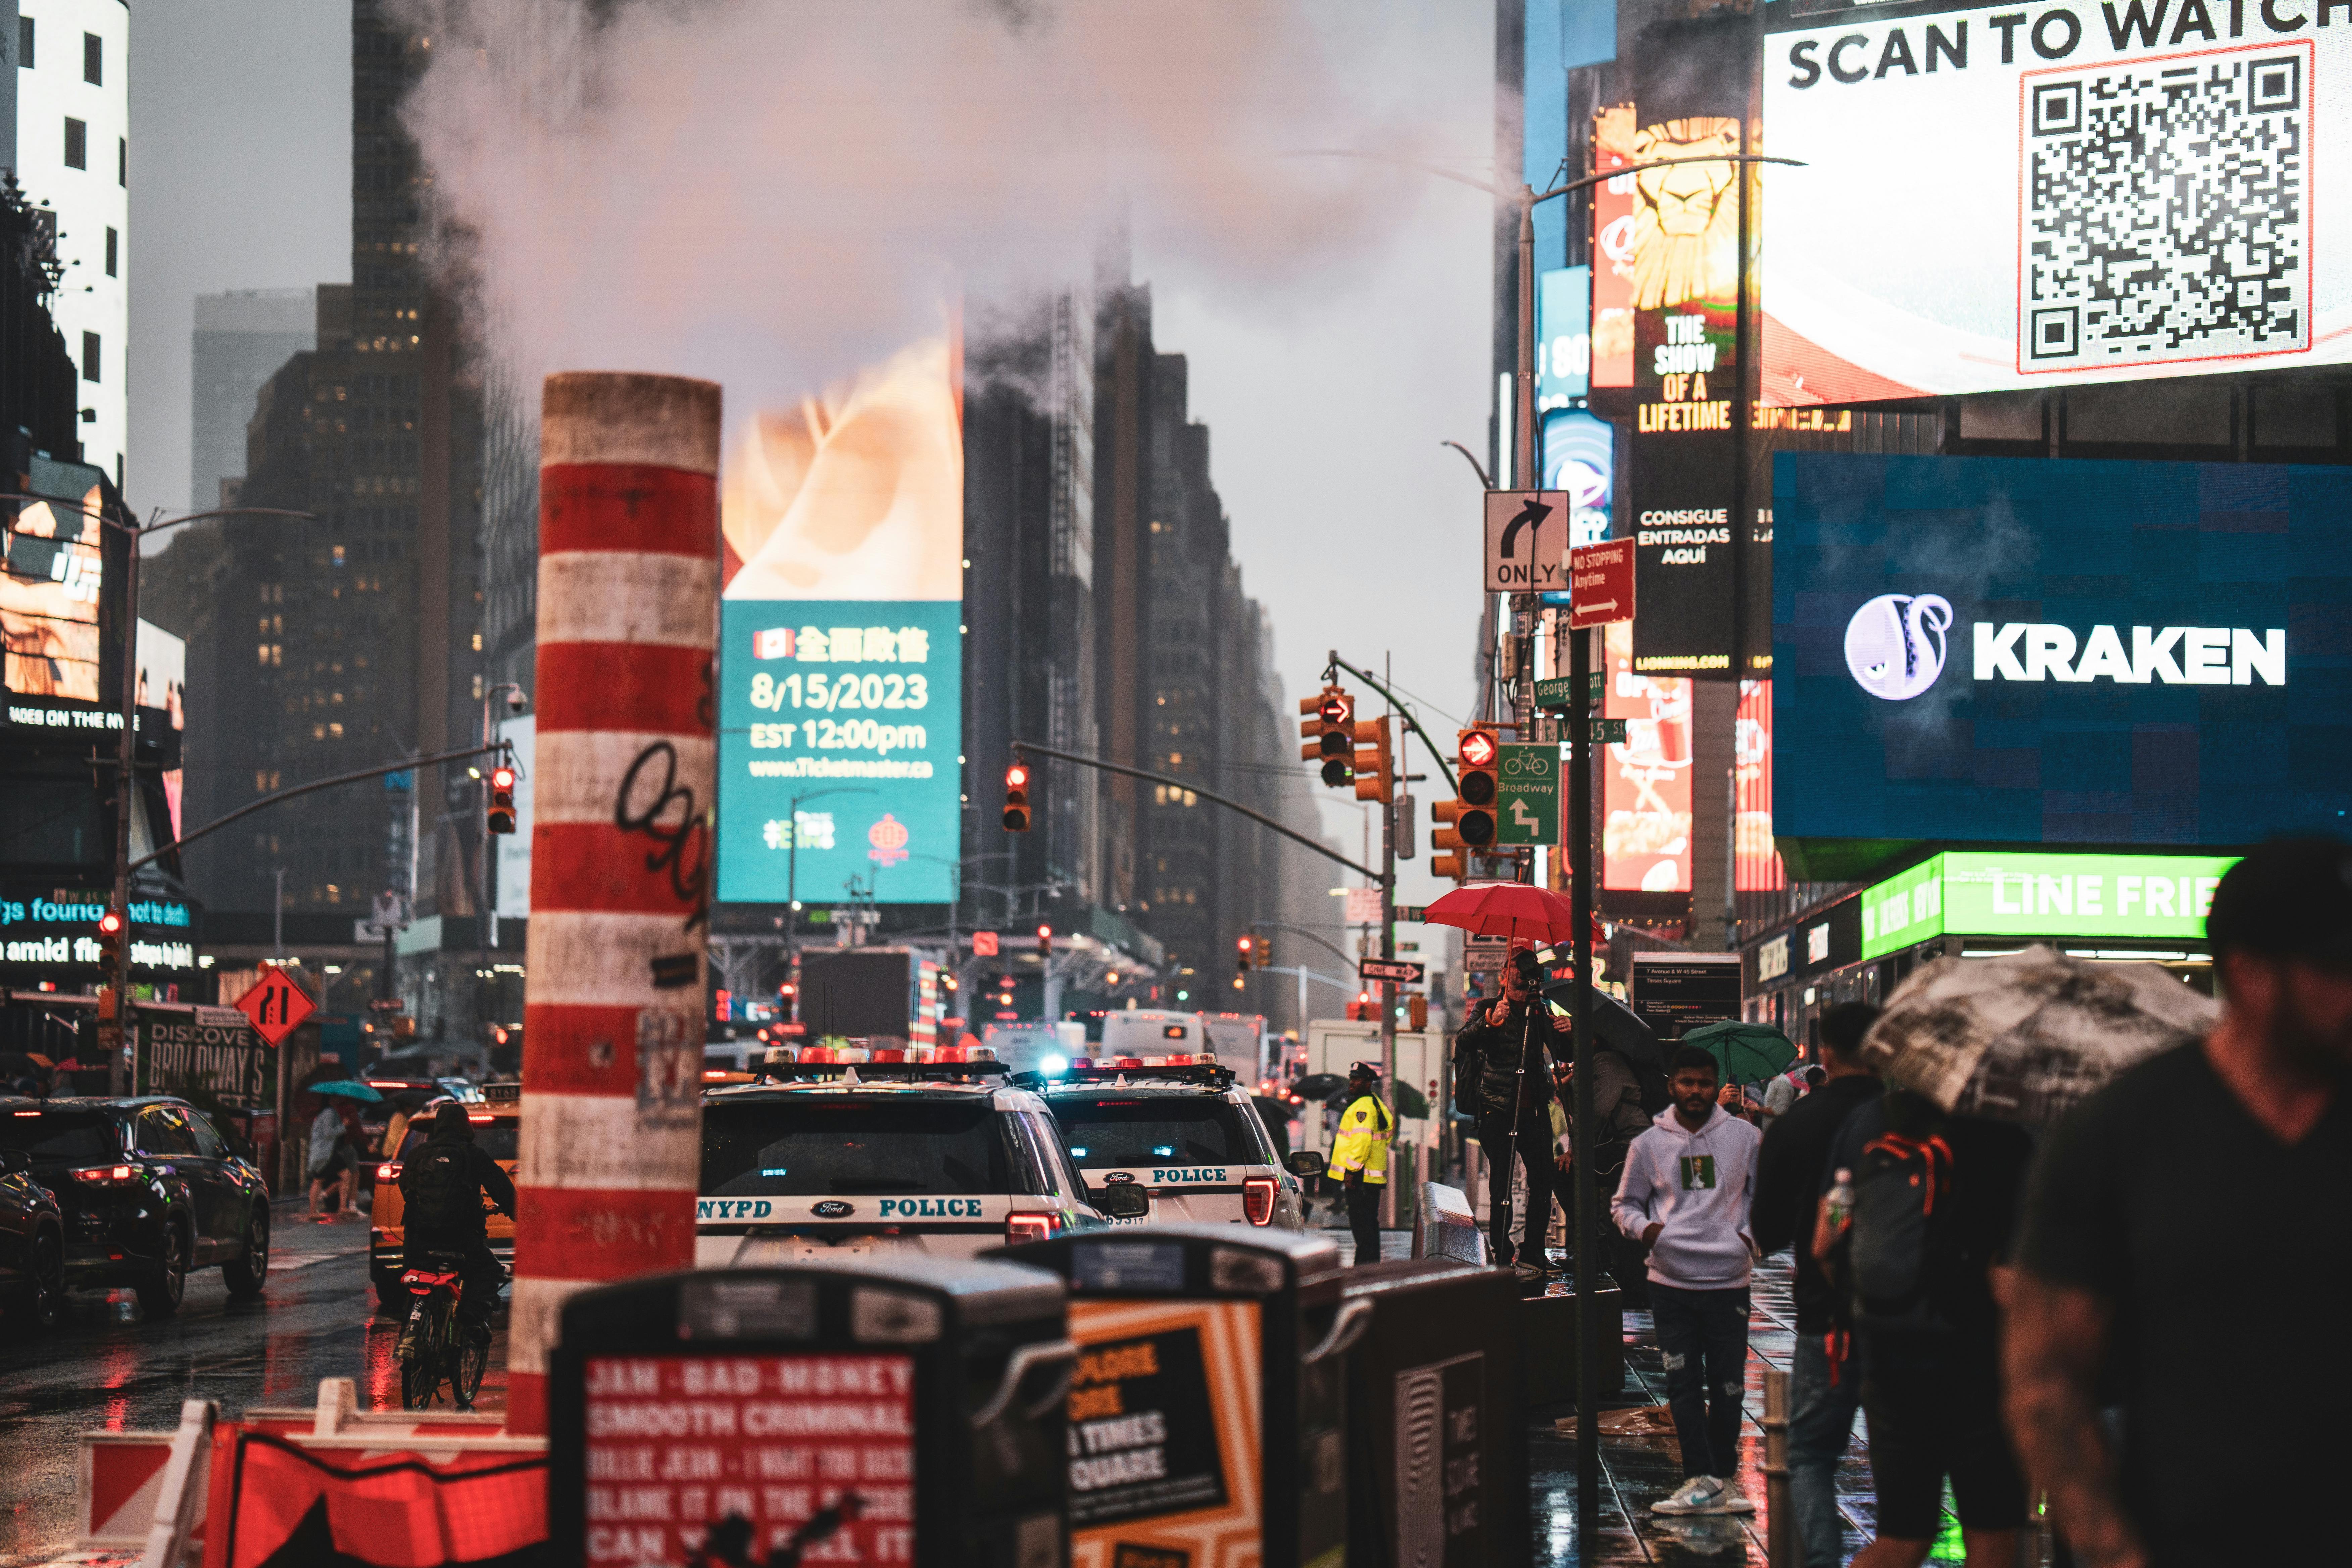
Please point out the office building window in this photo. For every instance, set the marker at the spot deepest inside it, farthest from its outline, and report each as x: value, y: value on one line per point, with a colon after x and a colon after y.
x: 77, y: 144
x: 25, y: 43
x: 93, y: 59
x: 113, y: 254
x: 123, y: 161
x: 89, y: 356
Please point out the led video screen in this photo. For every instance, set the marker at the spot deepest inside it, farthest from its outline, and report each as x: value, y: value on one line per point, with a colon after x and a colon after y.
x: 2026, y: 651
x: 2091, y: 190
x: 841, y: 657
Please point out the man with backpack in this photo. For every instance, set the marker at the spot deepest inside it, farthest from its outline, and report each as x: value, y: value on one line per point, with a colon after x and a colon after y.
x: 1932, y: 1200
x: 1825, y: 1377
x: 1501, y: 1076
x: 442, y: 1186
x: 1684, y: 1195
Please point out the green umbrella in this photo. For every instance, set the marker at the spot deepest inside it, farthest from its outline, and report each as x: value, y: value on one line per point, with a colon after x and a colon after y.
x: 1744, y: 1053
x: 349, y: 1089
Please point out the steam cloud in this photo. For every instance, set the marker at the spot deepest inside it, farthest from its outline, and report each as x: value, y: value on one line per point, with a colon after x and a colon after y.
x: 773, y: 194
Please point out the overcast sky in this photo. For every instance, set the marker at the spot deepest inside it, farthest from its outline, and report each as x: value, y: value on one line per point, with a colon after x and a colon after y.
x: 1353, y: 526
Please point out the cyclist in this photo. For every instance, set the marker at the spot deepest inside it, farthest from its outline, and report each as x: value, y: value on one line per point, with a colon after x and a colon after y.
x: 442, y: 1186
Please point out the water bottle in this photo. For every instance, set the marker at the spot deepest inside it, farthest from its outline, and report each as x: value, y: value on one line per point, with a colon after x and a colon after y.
x: 1841, y: 1200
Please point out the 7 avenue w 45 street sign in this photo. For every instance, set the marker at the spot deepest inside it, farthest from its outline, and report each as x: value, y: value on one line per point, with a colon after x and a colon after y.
x: 1527, y: 542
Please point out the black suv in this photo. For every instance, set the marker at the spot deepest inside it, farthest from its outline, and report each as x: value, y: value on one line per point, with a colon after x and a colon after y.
x: 149, y: 1190
x: 32, y: 1246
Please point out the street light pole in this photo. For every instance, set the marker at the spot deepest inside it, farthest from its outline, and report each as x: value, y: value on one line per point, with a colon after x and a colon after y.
x: 114, y: 1009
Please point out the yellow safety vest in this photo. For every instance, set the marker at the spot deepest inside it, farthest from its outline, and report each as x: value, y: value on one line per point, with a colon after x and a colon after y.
x: 1365, y: 1129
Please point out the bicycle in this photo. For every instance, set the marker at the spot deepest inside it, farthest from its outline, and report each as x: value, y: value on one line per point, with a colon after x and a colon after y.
x: 432, y: 1349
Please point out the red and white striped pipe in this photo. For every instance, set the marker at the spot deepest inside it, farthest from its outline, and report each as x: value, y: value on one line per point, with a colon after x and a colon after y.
x: 620, y: 852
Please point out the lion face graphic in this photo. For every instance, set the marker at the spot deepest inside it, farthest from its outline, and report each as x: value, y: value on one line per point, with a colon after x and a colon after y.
x: 1686, y: 222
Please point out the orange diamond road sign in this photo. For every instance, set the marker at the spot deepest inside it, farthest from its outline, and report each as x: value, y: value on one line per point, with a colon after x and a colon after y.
x: 276, y: 1005
x: 984, y: 944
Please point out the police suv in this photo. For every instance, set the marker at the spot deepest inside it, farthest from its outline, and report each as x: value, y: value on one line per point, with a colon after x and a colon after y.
x: 1181, y: 1132
x: 832, y: 1159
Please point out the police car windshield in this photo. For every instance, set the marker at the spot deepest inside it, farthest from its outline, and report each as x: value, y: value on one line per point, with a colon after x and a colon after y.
x: 807, y: 1147
x: 1154, y: 1129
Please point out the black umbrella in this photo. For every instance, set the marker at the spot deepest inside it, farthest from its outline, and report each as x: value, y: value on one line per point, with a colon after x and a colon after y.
x: 1616, y: 1026
x: 1319, y: 1086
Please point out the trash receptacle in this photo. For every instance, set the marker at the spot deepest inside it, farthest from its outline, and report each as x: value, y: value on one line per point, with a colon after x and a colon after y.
x: 873, y: 1410
x: 1206, y: 1413
x: 1437, y: 1432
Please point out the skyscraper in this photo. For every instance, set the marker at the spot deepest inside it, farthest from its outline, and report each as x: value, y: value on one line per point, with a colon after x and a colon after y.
x: 73, y: 157
x: 241, y: 339
x: 328, y: 646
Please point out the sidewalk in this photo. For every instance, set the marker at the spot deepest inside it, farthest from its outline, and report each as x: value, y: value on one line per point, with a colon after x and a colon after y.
x: 1637, y: 1470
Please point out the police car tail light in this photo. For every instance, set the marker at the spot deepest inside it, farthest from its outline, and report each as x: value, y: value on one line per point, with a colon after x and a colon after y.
x: 388, y: 1171
x: 106, y: 1175
x: 1021, y: 1227
x: 1257, y: 1199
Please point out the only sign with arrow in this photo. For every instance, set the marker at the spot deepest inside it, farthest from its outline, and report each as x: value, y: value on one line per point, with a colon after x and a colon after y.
x: 1527, y: 542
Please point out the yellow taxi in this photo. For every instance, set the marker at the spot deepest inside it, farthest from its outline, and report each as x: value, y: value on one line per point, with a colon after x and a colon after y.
x: 498, y: 1125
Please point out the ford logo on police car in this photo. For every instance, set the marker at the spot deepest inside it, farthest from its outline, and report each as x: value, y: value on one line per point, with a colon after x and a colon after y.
x: 1118, y: 1177
x: 833, y: 1208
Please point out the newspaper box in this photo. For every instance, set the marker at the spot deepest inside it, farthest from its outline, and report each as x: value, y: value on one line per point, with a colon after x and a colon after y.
x: 1437, y: 1435
x: 1206, y: 1413
x: 867, y: 1410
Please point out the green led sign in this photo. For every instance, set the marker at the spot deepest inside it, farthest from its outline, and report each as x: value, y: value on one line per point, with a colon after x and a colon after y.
x: 1974, y: 893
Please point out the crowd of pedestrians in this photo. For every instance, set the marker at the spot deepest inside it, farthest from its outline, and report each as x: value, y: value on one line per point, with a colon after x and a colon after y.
x: 2127, y: 1322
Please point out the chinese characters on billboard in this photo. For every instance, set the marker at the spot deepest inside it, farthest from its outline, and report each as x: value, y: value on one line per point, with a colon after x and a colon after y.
x: 841, y: 653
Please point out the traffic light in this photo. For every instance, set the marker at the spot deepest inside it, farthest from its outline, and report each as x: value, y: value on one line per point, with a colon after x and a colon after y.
x: 1472, y: 813
x: 1330, y: 734
x: 111, y: 945
x: 1243, y: 959
x: 1016, y: 798
x: 1045, y: 941
x: 500, y: 811
x: 1262, y: 951
x: 1372, y: 761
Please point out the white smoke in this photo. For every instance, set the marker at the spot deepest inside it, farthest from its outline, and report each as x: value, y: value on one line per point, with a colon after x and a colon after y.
x: 772, y: 195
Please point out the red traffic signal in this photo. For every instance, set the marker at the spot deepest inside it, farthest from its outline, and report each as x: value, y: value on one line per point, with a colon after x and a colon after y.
x: 110, y: 923
x: 1016, y: 798
x: 1046, y: 940
x: 1477, y: 749
x: 1330, y: 734
x: 500, y: 812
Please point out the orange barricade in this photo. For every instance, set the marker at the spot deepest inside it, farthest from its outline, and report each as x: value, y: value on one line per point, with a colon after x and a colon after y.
x: 277, y: 1501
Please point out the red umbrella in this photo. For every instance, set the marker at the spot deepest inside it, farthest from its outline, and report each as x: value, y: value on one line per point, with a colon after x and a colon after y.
x: 1507, y: 908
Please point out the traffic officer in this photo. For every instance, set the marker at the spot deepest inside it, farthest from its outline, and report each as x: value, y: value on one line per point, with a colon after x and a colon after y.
x: 1360, y: 1156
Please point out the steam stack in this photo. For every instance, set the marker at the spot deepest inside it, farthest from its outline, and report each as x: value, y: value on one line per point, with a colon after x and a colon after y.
x: 621, y: 848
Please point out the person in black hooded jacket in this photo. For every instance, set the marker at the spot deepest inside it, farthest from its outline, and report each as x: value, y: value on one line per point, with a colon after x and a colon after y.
x: 1513, y: 1032
x: 442, y: 1186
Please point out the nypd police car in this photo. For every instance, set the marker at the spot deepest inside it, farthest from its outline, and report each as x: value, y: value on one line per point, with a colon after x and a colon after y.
x: 1178, y: 1131
x: 828, y: 1160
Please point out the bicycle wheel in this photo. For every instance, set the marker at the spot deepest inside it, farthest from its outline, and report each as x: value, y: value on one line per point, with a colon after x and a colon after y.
x: 420, y: 1375
x: 469, y: 1362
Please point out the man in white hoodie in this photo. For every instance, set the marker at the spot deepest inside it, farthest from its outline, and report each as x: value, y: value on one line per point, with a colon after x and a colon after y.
x: 1684, y: 1195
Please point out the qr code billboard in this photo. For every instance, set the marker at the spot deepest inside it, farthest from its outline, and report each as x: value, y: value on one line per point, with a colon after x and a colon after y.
x: 1988, y: 198
x: 2164, y: 214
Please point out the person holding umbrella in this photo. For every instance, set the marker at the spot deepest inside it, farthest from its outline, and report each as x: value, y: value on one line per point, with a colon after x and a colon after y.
x: 2186, y: 1227
x: 1502, y: 1077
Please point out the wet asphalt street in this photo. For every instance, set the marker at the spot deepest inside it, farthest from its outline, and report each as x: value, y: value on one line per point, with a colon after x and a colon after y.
x: 107, y: 1369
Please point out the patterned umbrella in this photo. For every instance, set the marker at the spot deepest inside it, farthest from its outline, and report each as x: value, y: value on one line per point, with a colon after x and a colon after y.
x: 2023, y: 1036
